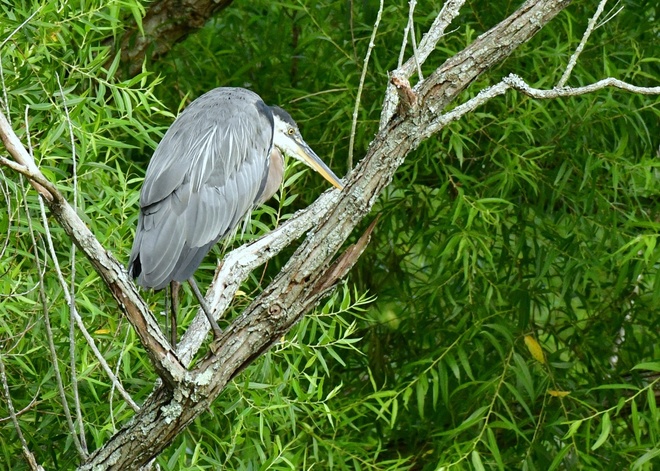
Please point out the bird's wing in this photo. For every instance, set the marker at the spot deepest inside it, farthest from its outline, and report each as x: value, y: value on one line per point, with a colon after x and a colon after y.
x: 205, y: 175
x: 209, y: 141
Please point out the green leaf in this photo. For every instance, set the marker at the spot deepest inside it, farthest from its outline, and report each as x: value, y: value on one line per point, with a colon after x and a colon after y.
x: 572, y: 430
x: 651, y: 366
x: 646, y: 458
x: 605, y: 428
x: 476, y: 461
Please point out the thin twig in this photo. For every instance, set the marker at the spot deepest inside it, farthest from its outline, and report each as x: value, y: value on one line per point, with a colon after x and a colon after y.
x: 41, y: 270
x: 78, y: 319
x: 14, y: 293
x: 515, y: 82
x: 351, y: 20
x: 610, y: 15
x: 365, y: 67
x: 12, y: 413
x: 72, y: 286
x: 4, y: 89
x: 583, y: 42
x: 18, y: 28
x: 46, y: 314
x: 112, y: 389
x: 5, y: 193
x: 413, y: 40
x: 26, y: 408
x: 519, y: 84
x: 427, y: 45
x: 53, y: 354
x: 404, y: 42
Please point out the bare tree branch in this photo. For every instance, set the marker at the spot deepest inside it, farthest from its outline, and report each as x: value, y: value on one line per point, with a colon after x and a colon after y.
x: 449, y: 11
x: 514, y: 82
x: 561, y: 92
x: 363, y: 75
x: 573, y: 60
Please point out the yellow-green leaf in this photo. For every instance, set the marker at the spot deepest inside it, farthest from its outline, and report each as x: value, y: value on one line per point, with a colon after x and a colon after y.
x: 535, y: 349
x: 555, y: 393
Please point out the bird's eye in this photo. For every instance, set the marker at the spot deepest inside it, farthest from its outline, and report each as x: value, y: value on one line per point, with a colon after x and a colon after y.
x: 291, y: 131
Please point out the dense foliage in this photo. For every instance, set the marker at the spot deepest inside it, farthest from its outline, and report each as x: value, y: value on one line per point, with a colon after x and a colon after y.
x: 505, y: 315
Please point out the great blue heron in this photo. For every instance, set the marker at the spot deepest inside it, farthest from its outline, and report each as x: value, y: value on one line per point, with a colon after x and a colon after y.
x: 220, y: 158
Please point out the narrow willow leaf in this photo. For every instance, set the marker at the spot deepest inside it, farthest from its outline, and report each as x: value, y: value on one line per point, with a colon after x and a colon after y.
x: 557, y: 461
x: 395, y: 411
x: 422, y: 389
x: 476, y: 461
x: 555, y: 393
x: 651, y: 366
x: 635, y: 422
x: 494, y: 449
x: 605, y: 428
x: 572, y: 429
x: 645, y: 458
x: 653, y: 408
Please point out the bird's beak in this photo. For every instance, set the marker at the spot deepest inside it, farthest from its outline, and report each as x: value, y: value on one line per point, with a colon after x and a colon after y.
x: 307, y: 155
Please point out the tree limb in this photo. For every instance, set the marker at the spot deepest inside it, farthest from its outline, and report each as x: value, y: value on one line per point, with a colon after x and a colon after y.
x: 165, y: 23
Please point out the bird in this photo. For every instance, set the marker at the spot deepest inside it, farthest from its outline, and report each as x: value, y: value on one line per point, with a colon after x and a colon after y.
x: 220, y: 158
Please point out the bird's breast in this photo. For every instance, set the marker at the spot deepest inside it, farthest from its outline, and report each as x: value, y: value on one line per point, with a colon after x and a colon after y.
x: 275, y: 175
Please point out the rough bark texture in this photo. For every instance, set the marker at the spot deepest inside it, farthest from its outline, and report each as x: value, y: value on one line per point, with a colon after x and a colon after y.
x: 304, y: 279
x: 165, y: 23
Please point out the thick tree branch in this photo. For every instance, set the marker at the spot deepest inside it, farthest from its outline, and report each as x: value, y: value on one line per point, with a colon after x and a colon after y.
x: 166, y: 22
x: 492, y: 47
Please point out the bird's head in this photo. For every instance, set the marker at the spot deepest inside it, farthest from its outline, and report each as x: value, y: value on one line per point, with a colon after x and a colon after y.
x: 288, y: 140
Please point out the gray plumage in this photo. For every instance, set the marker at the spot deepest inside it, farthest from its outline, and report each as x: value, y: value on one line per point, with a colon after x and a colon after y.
x: 219, y: 159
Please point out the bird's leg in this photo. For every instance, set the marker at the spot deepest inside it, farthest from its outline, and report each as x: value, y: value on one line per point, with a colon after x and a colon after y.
x: 209, y: 315
x: 174, y: 311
